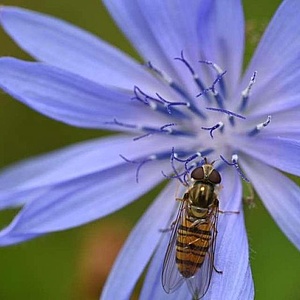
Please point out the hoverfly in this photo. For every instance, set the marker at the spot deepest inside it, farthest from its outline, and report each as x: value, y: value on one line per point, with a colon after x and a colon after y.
x: 190, y: 253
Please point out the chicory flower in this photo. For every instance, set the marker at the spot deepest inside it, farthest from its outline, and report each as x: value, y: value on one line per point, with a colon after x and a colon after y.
x: 188, y: 101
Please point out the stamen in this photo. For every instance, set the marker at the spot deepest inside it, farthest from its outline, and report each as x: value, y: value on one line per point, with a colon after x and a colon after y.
x: 228, y: 112
x: 246, y: 92
x: 169, y: 104
x: 176, y: 174
x: 142, y: 162
x: 150, y: 130
x: 219, y: 125
x: 162, y: 75
x: 219, y: 71
x: 163, y: 129
x: 219, y: 99
x: 194, y: 74
x: 168, y: 80
x: 153, y: 102
x: 116, y: 122
x: 139, y: 163
x: 188, y: 160
x: 260, y: 126
x: 178, y: 156
x: 234, y: 163
x: 231, y: 120
x: 179, y: 91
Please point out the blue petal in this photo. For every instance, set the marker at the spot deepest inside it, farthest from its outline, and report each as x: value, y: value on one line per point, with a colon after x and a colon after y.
x: 285, y: 123
x: 277, y: 62
x: 221, y: 36
x: 160, y: 30
x: 232, y: 249
x: 247, y: 291
x: 30, y: 178
x: 279, y: 194
x: 65, y: 46
x: 82, y: 200
x: 140, y: 246
x: 70, y: 98
x: 152, y: 287
x: 283, y: 153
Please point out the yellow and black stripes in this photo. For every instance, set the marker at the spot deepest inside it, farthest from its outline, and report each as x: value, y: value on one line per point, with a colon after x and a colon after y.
x: 192, y: 245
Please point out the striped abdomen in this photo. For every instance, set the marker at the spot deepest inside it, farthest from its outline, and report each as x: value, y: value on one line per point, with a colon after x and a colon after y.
x: 193, y: 242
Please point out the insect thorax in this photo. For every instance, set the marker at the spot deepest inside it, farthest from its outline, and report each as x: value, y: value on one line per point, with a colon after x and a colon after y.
x: 199, y: 199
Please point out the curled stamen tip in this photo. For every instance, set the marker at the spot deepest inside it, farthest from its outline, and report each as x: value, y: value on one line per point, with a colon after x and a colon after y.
x: 217, y: 68
x: 246, y: 92
x: 126, y: 159
x: 264, y: 124
x: 219, y: 125
x: 260, y: 126
x: 234, y: 163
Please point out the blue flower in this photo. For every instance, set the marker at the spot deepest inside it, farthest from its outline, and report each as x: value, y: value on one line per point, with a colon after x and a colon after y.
x: 188, y: 101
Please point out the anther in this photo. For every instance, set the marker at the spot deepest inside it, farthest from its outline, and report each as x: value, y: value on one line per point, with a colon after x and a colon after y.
x: 169, y: 104
x: 176, y: 174
x: 178, y: 89
x: 246, y: 92
x: 234, y: 163
x: 116, y: 122
x: 219, y: 125
x: 192, y: 71
x: 162, y: 75
x: 142, y: 162
x: 189, y: 105
x: 220, y: 73
x: 186, y: 161
x: 139, y: 164
x: 231, y: 120
x: 189, y: 162
x: 166, y: 129
x: 150, y: 131
x: 153, y: 103
x: 168, y: 80
x: 228, y: 112
x: 260, y: 126
x: 219, y: 99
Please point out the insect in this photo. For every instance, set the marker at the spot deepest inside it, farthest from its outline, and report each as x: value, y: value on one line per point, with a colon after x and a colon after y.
x: 190, y: 253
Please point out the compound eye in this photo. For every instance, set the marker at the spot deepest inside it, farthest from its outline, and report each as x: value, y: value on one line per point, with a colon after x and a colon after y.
x: 214, y: 177
x: 198, y: 174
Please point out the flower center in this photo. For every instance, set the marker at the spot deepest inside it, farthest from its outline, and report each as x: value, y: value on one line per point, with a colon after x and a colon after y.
x: 205, y: 119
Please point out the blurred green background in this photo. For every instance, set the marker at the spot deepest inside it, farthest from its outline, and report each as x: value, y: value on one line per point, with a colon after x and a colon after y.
x: 68, y: 265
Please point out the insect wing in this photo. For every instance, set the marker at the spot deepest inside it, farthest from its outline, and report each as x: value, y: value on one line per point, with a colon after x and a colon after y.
x: 199, y: 284
x: 171, y: 278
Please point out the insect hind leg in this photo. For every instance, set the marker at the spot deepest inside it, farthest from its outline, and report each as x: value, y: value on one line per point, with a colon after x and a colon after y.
x: 218, y: 271
x: 168, y: 228
x: 215, y: 268
x: 225, y: 212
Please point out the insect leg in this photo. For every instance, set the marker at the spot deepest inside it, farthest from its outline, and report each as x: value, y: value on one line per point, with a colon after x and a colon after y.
x: 169, y: 228
x: 249, y: 197
x: 228, y: 212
